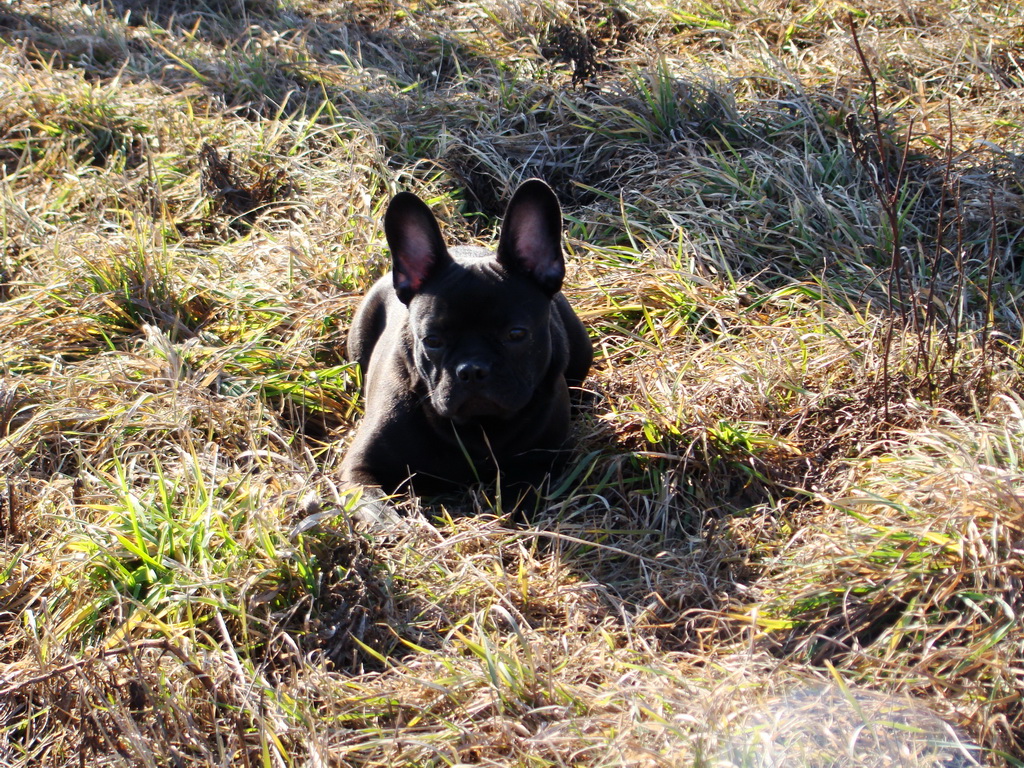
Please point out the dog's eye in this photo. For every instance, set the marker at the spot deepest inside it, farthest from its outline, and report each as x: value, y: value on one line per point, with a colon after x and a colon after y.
x: 433, y: 341
x: 517, y: 334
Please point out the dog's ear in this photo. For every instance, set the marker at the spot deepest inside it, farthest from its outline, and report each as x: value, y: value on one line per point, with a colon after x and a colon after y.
x: 531, y: 235
x: 417, y: 248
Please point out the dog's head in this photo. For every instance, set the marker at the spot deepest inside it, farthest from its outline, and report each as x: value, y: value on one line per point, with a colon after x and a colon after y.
x: 480, y: 322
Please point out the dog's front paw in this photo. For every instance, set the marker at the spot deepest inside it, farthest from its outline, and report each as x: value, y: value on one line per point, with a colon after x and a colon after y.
x: 374, y: 513
x: 311, y: 514
x: 368, y: 510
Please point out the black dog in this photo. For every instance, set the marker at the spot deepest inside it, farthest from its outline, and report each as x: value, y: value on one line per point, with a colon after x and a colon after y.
x: 467, y: 354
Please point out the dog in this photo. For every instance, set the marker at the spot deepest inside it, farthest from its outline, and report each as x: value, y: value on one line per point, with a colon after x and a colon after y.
x: 468, y: 355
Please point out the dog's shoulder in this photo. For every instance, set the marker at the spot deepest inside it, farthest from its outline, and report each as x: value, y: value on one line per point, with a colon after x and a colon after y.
x: 371, y: 318
x: 581, y: 349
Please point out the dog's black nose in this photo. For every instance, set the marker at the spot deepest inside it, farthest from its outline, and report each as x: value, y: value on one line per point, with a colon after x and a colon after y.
x: 472, y: 370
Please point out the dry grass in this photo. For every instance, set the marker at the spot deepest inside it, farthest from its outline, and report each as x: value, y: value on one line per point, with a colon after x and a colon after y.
x: 793, y: 533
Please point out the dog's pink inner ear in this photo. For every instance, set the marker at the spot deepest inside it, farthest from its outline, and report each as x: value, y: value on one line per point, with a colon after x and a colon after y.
x: 417, y: 248
x: 416, y: 257
x: 413, y: 262
x: 538, y: 253
x: 531, y: 236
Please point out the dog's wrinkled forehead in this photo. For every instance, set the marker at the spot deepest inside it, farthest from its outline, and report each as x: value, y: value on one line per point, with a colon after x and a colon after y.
x: 481, y: 293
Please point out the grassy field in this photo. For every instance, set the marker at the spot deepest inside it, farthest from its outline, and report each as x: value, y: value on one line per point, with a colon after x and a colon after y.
x: 793, y: 533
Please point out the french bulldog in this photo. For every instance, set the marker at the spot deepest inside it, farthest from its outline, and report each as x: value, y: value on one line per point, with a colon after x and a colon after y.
x: 467, y: 354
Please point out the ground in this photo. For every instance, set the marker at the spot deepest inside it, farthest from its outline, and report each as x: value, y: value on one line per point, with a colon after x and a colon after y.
x: 793, y: 530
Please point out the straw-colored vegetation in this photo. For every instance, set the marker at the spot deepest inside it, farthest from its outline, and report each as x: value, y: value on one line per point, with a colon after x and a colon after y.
x: 793, y: 533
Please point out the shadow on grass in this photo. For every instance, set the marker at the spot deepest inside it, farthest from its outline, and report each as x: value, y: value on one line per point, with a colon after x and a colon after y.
x: 367, y: 66
x: 645, y: 142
